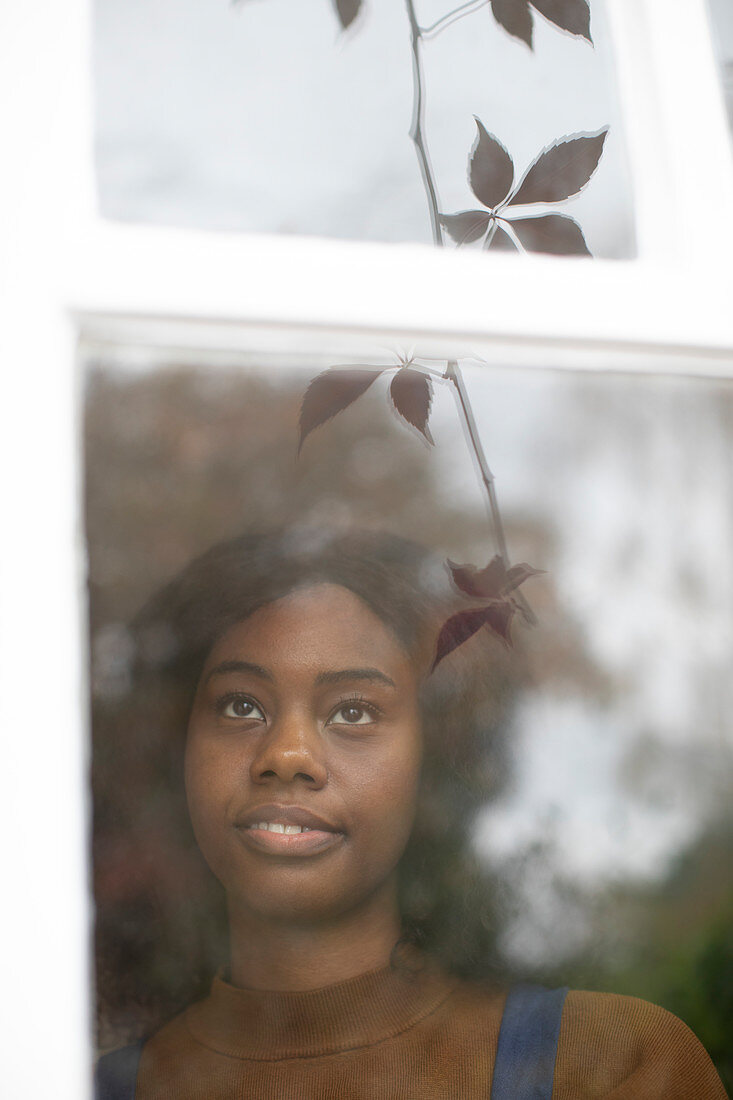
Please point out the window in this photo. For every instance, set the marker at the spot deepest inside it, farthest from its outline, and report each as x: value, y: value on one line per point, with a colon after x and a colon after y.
x: 76, y: 277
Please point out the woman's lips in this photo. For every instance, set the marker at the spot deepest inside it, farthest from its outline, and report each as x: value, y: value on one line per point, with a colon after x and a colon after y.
x: 287, y: 830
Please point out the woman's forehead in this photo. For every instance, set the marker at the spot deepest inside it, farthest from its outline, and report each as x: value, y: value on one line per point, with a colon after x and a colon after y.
x: 314, y: 622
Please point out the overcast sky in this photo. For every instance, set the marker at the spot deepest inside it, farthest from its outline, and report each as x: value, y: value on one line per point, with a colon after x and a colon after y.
x: 263, y: 116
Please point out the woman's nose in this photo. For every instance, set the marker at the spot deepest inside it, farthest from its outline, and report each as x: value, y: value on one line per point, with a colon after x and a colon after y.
x: 292, y: 749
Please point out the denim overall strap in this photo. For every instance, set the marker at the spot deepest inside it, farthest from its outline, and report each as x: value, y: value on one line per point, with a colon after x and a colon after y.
x: 527, y: 1048
x: 116, y: 1073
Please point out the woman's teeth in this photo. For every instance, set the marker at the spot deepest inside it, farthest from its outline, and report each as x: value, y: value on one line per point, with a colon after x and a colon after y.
x: 276, y: 827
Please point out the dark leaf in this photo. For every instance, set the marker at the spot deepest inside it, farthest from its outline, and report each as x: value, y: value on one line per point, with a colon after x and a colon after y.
x: 569, y: 15
x: 555, y: 233
x: 490, y: 169
x: 347, y: 11
x: 499, y: 618
x: 467, y: 226
x: 561, y: 170
x: 412, y: 393
x: 495, y: 582
x: 330, y: 392
x: 500, y: 241
x: 514, y: 16
x: 486, y: 583
x: 517, y: 575
x: 458, y: 629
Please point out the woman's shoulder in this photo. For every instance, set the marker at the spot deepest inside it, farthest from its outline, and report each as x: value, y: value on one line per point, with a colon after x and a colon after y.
x: 617, y: 1046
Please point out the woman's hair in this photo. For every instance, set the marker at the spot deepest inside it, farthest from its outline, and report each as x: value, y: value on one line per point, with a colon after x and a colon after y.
x: 161, y: 925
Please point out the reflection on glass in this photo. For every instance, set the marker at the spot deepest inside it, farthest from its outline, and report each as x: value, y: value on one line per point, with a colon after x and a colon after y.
x: 284, y: 118
x: 721, y: 16
x: 600, y: 812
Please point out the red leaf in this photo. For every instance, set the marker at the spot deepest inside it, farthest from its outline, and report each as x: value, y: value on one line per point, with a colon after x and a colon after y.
x: 494, y: 582
x: 486, y: 583
x: 467, y: 226
x: 517, y: 575
x: 561, y: 170
x: 554, y: 233
x: 569, y: 15
x: 331, y: 392
x: 412, y: 393
x: 490, y: 169
x: 347, y: 11
x: 515, y: 17
x: 499, y: 618
x: 458, y: 629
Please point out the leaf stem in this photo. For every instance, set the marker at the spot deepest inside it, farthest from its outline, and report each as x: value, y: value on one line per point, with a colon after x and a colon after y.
x: 454, y: 376
x: 417, y: 127
x: 452, y: 17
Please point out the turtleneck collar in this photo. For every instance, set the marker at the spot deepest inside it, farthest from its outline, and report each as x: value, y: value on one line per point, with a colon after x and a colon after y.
x: 268, y: 1026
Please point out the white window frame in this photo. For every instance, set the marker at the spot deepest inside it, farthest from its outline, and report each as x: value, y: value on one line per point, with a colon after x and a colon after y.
x: 67, y: 276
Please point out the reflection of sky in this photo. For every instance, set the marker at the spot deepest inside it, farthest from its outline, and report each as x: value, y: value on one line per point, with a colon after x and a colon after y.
x: 633, y: 478
x: 261, y: 116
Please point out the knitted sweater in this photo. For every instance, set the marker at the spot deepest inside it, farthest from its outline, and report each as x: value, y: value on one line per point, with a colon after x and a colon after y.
x: 392, y: 1033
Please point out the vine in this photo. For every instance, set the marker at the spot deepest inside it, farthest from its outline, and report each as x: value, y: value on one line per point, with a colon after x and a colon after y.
x: 508, y: 219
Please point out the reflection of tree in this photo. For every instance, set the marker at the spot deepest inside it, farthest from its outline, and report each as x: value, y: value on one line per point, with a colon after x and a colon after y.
x: 637, y: 477
x: 672, y: 943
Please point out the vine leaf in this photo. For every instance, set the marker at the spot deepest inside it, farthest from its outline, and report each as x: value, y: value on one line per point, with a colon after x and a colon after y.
x: 458, y: 629
x: 331, y: 392
x: 569, y: 15
x: 490, y: 168
x: 499, y: 617
x: 411, y: 392
x: 485, y: 583
x: 561, y: 170
x: 466, y: 226
x: 495, y: 584
x: 500, y: 241
x: 515, y: 17
x: 347, y: 11
x: 494, y: 581
x: 555, y: 233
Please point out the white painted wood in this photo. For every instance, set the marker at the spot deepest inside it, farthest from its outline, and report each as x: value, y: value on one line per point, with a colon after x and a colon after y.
x: 45, y: 191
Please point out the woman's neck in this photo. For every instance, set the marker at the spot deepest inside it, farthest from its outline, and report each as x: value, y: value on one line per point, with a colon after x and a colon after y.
x: 279, y: 956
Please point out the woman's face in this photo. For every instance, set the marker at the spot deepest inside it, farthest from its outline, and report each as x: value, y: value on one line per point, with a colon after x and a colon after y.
x: 303, y: 757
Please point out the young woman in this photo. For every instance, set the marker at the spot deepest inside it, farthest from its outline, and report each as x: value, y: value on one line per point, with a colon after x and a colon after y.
x: 330, y: 781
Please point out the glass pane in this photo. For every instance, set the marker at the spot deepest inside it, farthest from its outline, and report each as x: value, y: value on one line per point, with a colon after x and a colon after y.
x: 598, y: 800
x: 721, y: 14
x: 268, y: 117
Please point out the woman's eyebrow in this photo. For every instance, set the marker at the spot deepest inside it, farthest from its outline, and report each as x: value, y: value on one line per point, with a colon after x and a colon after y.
x: 337, y: 676
x: 238, y: 666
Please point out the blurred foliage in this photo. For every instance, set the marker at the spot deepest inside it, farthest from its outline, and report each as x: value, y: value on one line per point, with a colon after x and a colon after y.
x: 671, y: 943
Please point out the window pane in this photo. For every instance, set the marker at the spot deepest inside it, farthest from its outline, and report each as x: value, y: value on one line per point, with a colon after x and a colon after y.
x: 268, y: 117
x: 602, y: 795
x: 721, y: 14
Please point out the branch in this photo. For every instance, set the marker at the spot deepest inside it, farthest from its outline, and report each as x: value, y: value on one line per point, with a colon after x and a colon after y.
x: 452, y: 17
x: 453, y: 375
x: 416, y: 129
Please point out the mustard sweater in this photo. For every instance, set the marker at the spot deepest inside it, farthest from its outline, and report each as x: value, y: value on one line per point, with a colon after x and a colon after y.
x: 392, y: 1033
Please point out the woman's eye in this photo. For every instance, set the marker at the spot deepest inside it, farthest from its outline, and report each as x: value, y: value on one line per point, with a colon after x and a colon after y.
x: 241, y: 707
x: 352, y: 714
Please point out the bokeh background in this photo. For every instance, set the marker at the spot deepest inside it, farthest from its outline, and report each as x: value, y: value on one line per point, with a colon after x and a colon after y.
x: 612, y: 833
